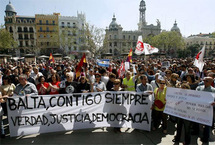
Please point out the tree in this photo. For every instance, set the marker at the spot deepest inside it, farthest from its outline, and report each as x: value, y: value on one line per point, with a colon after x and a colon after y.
x: 6, y: 40
x: 94, y: 39
x: 169, y: 41
x: 193, y: 49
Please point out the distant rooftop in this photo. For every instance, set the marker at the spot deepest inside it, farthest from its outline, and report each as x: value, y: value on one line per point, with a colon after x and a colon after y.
x: 201, y: 35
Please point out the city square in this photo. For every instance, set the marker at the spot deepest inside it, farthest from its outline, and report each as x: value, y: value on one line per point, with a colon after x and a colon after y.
x: 104, y: 72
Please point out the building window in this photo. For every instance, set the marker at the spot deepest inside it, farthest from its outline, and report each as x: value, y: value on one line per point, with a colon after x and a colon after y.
x: 68, y: 24
x: 115, y: 37
x: 129, y: 37
x: 26, y: 43
x: 31, y: 36
x: 40, y: 21
x: 26, y: 36
x: 41, y: 35
x: 124, y: 37
x: 31, y: 29
x: 115, y: 43
x: 110, y: 44
x: 41, y: 29
x: 110, y: 37
x: 53, y: 22
x: 47, y: 29
x: 110, y: 50
x: 19, y: 29
x: 20, y: 43
x: 48, y: 36
x: 25, y: 29
x: 47, y: 22
x: 134, y: 38
x: 20, y: 36
x: 134, y: 44
x: 74, y: 25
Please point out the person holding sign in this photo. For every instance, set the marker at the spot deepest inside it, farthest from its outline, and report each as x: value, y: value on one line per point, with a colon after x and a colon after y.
x: 158, y: 107
x: 2, y: 135
x: 24, y: 87
x: 187, y: 125
x: 208, y: 88
x: 116, y: 87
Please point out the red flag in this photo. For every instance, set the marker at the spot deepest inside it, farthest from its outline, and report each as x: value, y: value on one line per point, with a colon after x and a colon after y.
x: 51, y: 59
x: 129, y: 58
x: 81, y: 63
x: 121, y: 70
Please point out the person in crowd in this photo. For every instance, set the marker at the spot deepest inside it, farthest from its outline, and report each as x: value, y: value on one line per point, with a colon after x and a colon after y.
x: 54, y: 85
x: 155, y: 83
x: 109, y: 85
x: 2, y: 99
x: 35, y: 75
x: 98, y: 86
x: 104, y: 77
x: 116, y: 87
x: 42, y: 87
x: 69, y: 86
x: 158, y: 106
x: 7, y: 88
x: 91, y: 76
x: 129, y: 81
x: 144, y: 86
x: 208, y: 88
x: 193, y: 83
x: 186, y: 123
x: 27, y: 72
x: 25, y: 88
x: 52, y: 72
x: 83, y: 86
x: 173, y: 82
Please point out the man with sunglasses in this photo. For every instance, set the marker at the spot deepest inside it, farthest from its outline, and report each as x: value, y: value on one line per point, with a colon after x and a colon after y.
x: 207, y: 88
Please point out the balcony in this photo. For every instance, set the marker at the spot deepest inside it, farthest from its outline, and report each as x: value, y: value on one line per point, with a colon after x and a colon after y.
x: 46, y: 24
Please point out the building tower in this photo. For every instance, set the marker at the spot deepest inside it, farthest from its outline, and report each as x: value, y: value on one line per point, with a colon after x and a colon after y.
x: 142, y: 9
x: 175, y: 28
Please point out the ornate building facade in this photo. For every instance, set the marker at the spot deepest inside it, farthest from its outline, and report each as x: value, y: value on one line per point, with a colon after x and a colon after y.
x: 22, y: 28
x: 119, y: 42
x: 71, y: 30
x: 41, y: 34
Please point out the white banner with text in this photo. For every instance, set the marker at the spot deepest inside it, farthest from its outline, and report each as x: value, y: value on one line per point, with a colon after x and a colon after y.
x: 51, y: 113
x: 190, y: 105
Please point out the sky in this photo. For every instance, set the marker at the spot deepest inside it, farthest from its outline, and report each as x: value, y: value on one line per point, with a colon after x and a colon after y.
x: 192, y: 16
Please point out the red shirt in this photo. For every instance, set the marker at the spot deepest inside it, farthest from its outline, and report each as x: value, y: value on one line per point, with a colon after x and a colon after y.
x: 42, y: 91
x: 54, y: 91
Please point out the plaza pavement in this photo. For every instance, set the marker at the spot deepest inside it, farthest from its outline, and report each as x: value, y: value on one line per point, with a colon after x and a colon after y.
x: 102, y: 136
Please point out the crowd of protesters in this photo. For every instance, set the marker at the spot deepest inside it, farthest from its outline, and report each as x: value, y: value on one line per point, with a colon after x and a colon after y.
x: 20, y: 78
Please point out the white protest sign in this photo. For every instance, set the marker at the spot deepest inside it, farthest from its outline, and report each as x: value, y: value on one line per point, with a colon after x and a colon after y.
x: 134, y: 69
x: 190, y: 105
x: 51, y: 113
x: 127, y: 65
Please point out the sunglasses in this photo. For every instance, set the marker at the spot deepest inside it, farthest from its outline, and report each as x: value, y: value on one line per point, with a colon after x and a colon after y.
x: 116, y: 83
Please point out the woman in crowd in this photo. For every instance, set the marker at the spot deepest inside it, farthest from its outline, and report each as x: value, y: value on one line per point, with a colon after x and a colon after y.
x: 69, y: 86
x: 54, y: 86
x: 42, y: 87
x: 116, y: 87
x: 190, y: 78
x: 173, y: 82
x: 7, y: 88
x: 186, y: 123
x: 158, y: 106
x: 83, y: 86
x: 98, y: 86
x: 110, y: 82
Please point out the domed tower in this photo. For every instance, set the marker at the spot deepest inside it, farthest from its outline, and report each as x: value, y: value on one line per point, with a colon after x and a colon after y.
x: 142, y: 9
x: 175, y: 27
x: 113, y: 25
x: 10, y: 10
